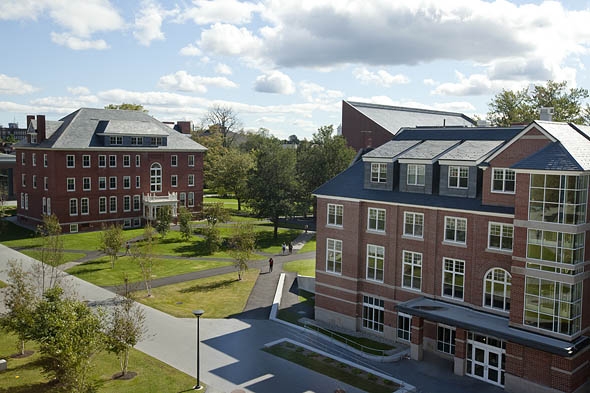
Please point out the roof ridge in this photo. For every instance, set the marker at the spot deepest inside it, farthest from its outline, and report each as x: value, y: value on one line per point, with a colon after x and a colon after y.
x: 405, y: 108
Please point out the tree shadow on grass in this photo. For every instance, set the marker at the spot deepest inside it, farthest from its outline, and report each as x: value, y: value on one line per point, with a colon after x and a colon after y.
x: 265, y: 239
x: 209, y: 286
x: 30, y: 388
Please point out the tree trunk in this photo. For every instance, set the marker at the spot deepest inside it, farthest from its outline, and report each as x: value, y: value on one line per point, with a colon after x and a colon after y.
x: 22, y: 347
x: 239, y: 204
x: 276, y: 227
x: 125, y: 361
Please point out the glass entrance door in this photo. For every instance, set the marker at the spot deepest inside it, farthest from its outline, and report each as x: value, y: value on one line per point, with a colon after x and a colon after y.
x: 486, y: 359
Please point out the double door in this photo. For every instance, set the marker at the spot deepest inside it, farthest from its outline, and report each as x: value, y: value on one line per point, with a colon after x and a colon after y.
x: 486, y: 362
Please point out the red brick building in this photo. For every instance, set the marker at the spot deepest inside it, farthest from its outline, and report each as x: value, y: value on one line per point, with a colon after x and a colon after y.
x: 470, y: 243
x: 98, y: 166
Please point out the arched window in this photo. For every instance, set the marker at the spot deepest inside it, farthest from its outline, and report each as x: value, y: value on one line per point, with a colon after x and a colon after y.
x: 156, y: 178
x: 497, y: 289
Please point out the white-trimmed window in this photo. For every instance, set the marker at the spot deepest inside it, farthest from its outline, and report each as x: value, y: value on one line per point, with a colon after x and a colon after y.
x: 156, y: 177
x: 85, y: 161
x: 71, y: 184
x: 174, y: 180
x: 412, y: 270
x: 182, y: 198
x: 453, y: 278
x: 445, y: 339
x: 404, y: 326
x: 136, y: 202
x: 34, y: 181
x: 378, y: 172
x: 102, y: 161
x: 334, y: 256
x: 23, y: 159
x: 136, y: 140
x: 126, y: 182
x: 458, y: 176
x: 496, y: 292
x: 116, y: 140
x: 73, y: 206
x: 26, y: 201
x: 373, y: 313
x: 416, y: 174
x: 413, y: 224
x: 45, y: 160
x: 102, y: 204
x: 137, y: 160
x: 503, y: 180
x: 49, y: 206
x: 191, y: 180
x: 174, y: 160
x: 137, y: 181
x: 113, y: 204
x: 44, y: 205
x: 335, y: 213
x: 126, y: 203
x: 156, y: 140
x: 84, y: 206
x: 102, y: 183
x: 127, y: 161
x: 500, y: 236
x: 113, y: 182
x: 45, y: 183
x: 375, y: 262
x: 191, y: 199
x: 376, y: 219
x: 70, y: 161
x: 73, y: 228
x: 86, y: 184
x: 23, y: 179
x: 191, y: 160
x: 34, y: 159
x: 456, y: 230
x: 112, y: 161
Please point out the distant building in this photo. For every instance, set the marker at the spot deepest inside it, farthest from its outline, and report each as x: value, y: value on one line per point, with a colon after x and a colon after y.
x: 370, y: 125
x: 99, y: 166
x: 7, y: 165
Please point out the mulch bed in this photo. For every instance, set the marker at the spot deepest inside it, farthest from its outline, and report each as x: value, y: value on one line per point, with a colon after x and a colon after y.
x: 129, y: 375
x: 27, y: 353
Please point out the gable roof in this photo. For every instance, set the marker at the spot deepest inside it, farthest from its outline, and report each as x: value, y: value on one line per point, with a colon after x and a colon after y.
x: 553, y: 157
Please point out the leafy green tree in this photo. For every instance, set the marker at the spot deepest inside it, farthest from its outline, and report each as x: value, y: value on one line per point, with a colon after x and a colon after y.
x: 272, y: 184
x: 163, y: 220
x: 242, y: 244
x: 127, y: 107
x: 214, y: 213
x: 52, y: 252
x: 111, y: 241
x: 230, y: 174
x: 522, y: 106
x: 212, y: 139
x: 69, y: 334
x: 144, y: 257
x: 19, y: 300
x: 184, y: 221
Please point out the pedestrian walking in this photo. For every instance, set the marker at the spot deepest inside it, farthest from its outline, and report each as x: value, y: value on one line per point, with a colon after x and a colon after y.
x: 127, y: 248
x: 306, y: 228
x: 290, y: 247
x: 284, y: 248
x: 270, y: 263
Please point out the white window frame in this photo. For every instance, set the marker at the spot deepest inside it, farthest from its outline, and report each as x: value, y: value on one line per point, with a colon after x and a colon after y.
x: 102, y: 202
x: 84, y: 206
x: 415, y: 172
x: 156, y: 177
x: 34, y: 181
x: 34, y: 158
x: 112, y: 182
x: 126, y: 182
x: 45, y: 160
x: 86, y: 162
x: 378, y: 172
x: 73, y: 228
x: 23, y: 159
x: 112, y: 161
x: 182, y: 199
x: 173, y: 180
x: 174, y: 160
x: 102, y: 179
x: 190, y: 199
x: 412, y: 262
x: 373, y: 313
x: 375, y: 257
x: 102, y: 161
x: 495, y: 282
x: 73, y: 206
x: 504, y: 228
x: 70, y: 161
x: 23, y: 179
x: 191, y: 180
x: 126, y: 203
x: 402, y: 333
x: 377, y: 213
x: 126, y: 161
x: 45, y: 183
x: 413, y: 216
x: 138, y: 181
x: 137, y: 160
x: 456, y: 231
x: 446, y: 343
x: 458, y: 177
x: 454, y: 272
x: 71, y: 184
x: 335, y: 215
x: 503, y: 171
x: 334, y: 256
x: 191, y: 160
x: 111, y: 204
x: 136, y: 203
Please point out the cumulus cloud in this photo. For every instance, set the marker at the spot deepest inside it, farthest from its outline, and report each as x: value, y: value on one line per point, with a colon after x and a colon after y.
x: 13, y: 85
x: 76, y: 43
x: 228, y: 40
x: 223, y: 69
x: 430, y: 82
x: 274, y: 82
x: 148, y: 22
x: 381, y: 77
x: 205, y: 12
x: 183, y: 81
x: 190, y: 50
x: 78, y: 90
x: 312, y: 92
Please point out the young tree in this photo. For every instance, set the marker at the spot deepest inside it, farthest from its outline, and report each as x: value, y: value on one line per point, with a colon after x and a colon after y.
x: 144, y: 258
x: 214, y: 213
x: 242, y: 244
x: 184, y: 221
x: 52, y: 250
x: 225, y: 119
x: 163, y: 220
x: 111, y: 241
x: 230, y: 173
x: 19, y: 300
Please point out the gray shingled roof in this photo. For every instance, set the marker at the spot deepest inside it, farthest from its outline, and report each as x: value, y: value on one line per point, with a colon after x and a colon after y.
x: 475, y: 151
x: 553, y: 157
x: 428, y: 150
x: 79, y: 130
x: 393, y: 118
x: 575, y: 142
x: 390, y: 149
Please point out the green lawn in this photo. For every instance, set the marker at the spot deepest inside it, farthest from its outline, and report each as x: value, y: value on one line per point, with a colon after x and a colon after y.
x: 99, y: 271
x: 67, y: 256
x: 303, y: 267
x: 220, y: 296
x: 25, y: 375
x: 309, y: 246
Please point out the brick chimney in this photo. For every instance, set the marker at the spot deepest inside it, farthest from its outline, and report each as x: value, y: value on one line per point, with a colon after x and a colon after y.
x: 184, y: 127
x: 40, y: 128
x: 30, y: 118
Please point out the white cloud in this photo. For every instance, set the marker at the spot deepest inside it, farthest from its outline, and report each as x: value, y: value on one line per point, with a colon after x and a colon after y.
x: 229, y: 40
x: 223, y: 69
x: 183, y: 81
x: 207, y: 12
x: 381, y: 77
x: 430, y: 82
x: 78, y: 90
x: 274, y: 82
x: 190, y: 50
x: 65, y: 102
x: 76, y: 43
x: 314, y: 93
x: 13, y: 85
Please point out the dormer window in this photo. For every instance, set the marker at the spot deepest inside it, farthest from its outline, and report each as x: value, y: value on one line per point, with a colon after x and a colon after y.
x: 156, y: 141
x: 116, y: 140
x: 136, y: 141
x: 34, y: 139
x: 416, y: 174
x: 458, y: 176
x: 378, y: 173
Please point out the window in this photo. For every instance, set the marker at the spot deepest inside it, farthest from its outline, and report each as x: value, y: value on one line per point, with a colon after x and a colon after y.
x: 113, y: 161
x: 102, y: 161
x: 191, y: 180
x: 191, y: 160
x: 378, y: 173
x: 45, y: 160
x: 49, y: 206
x: 84, y: 206
x: 136, y: 140
x: 413, y: 224
x: 113, y: 182
x: 174, y: 180
x: 137, y: 161
x: 71, y: 182
x: 70, y: 161
x: 23, y: 179
x: 182, y: 199
x: 445, y: 340
x: 376, y: 220
x: 136, y: 202
x: 458, y: 176
x: 373, y: 313
x: 174, y: 160
x: 102, y: 183
x: 335, y: 214
x: 44, y: 205
x: 553, y: 305
x: 126, y: 161
x: 156, y: 141
x: 34, y: 181
x: 73, y: 228
x: 455, y: 229
x: 116, y: 140
x: 45, y: 183
x: 558, y: 198
x: 126, y: 182
x: 453, y: 278
x: 334, y: 256
x: 500, y: 236
x: 73, y: 207
x: 375, y: 261
x: 126, y: 203
x: 404, y: 326
x: 559, y: 247
x: 102, y: 204
x: 503, y: 180
x: 191, y: 199
x: 34, y: 139
x: 416, y: 174
x: 156, y: 178
x: 86, y: 161
x: 137, y: 181
x: 113, y: 204
x: 412, y: 270
x: 23, y: 159
x: 34, y: 159
x: 497, y: 289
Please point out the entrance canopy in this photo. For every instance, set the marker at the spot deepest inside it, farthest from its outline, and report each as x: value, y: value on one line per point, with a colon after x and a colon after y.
x: 151, y: 204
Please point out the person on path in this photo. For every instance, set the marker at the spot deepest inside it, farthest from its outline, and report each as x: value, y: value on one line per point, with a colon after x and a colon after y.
x: 270, y: 263
x: 290, y: 248
x: 284, y: 248
x: 127, y: 248
x: 306, y: 228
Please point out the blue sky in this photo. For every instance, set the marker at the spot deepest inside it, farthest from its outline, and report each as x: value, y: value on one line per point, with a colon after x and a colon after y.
x: 280, y: 64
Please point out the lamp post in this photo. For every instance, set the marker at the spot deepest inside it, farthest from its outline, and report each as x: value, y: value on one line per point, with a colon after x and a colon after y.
x: 198, y: 314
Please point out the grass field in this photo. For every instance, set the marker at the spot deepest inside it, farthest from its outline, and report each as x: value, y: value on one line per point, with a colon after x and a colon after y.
x: 67, y: 256
x: 304, y: 267
x: 309, y: 246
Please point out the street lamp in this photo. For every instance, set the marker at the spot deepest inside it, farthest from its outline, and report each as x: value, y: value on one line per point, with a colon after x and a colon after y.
x: 198, y: 314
